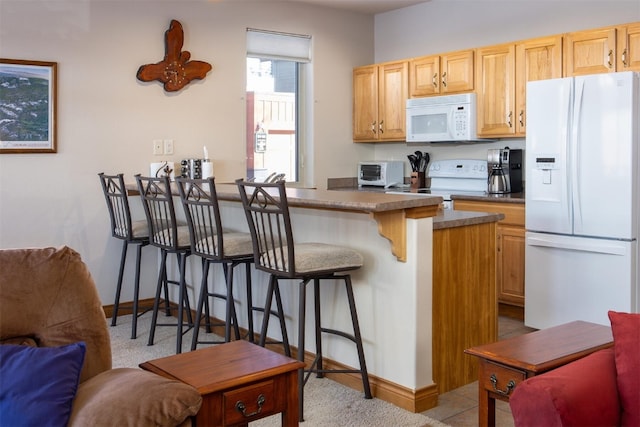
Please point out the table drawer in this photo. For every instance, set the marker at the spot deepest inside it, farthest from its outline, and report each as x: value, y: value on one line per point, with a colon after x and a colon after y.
x: 501, y: 379
x: 256, y: 400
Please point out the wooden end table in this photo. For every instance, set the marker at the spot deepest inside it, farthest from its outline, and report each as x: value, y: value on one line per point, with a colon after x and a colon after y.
x: 239, y: 382
x: 504, y: 364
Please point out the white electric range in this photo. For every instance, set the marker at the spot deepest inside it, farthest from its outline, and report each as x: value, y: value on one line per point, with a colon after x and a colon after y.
x: 453, y: 176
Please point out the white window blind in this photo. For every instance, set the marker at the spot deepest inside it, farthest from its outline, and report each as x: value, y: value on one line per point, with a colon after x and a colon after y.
x: 274, y: 45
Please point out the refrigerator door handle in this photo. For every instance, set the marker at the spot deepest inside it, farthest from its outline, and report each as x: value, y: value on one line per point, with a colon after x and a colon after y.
x: 575, y: 154
x: 604, y: 247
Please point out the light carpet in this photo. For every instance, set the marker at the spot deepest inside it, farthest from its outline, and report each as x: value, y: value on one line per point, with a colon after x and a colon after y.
x: 326, y: 402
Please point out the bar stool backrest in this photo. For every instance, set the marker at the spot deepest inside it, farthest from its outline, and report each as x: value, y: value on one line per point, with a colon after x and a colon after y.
x: 118, y: 204
x: 157, y: 201
x: 267, y: 211
x: 201, y: 208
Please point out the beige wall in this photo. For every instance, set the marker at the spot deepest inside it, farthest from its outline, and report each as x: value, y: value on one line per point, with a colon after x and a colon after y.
x: 108, y: 119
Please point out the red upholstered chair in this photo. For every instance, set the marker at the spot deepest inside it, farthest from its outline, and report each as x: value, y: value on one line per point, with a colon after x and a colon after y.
x: 601, y: 389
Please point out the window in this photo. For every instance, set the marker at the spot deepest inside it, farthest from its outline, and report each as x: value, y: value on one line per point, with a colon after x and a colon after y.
x: 275, y: 64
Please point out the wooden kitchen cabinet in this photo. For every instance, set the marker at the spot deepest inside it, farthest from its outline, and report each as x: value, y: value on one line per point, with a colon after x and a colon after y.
x: 495, y: 76
x: 380, y: 93
x: 509, y: 250
x: 628, y: 47
x: 590, y: 52
x: 602, y: 50
x: 441, y: 74
x: 464, y: 307
x: 503, y: 72
x: 536, y: 59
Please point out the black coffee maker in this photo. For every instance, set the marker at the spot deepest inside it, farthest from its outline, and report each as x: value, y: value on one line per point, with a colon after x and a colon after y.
x: 505, y: 171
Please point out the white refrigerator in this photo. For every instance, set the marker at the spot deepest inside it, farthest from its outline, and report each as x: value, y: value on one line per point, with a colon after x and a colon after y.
x: 582, y: 202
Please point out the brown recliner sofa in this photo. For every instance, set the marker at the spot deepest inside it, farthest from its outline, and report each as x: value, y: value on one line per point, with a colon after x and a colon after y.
x: 49, y: 299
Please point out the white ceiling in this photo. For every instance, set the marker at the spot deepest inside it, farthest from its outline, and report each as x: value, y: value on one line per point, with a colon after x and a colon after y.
x: 370, y: 7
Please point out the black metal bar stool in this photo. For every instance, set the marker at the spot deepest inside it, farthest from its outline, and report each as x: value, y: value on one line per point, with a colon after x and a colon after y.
x: 275, y: 252
x: 131, y: 233
x: 215, y: 245
x: 170, y: 237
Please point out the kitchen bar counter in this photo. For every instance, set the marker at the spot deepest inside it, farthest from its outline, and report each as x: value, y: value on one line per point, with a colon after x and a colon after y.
x: 408, y: 308
x: 389, y: 211
x: 356, y: 201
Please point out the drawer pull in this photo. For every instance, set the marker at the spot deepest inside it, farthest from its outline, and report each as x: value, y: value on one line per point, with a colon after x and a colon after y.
x: 241, y: 407
x: 510, y: 385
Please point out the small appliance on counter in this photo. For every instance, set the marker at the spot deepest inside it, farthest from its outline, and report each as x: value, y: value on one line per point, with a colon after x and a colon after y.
x: 381, y: 173
x: 505, y: 171
x: 191, y: 168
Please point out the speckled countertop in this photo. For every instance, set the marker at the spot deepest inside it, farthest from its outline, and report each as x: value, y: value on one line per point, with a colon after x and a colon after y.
x: 358, y: 201
x: 362, y: 201
x: 498, y: 198
x: 449, y: 218
x: 355, y: 201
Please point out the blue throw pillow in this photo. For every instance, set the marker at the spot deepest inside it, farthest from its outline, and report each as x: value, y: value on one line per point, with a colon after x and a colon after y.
x: 38, y: 384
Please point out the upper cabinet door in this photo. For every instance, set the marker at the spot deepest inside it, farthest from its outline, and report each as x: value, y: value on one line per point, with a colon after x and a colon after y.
x: 590, y: 52
x: 457, y: 72
x: 536, y: 59
x: 380, y: 93
x: 441, y: 74
x: 365, y: 103
x: 393, y: 91
x: 629, y: 47
x: 424, y: 76
x: 495, y: 88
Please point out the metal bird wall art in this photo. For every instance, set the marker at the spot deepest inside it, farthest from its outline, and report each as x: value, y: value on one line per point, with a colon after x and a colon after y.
x: 175, y: 70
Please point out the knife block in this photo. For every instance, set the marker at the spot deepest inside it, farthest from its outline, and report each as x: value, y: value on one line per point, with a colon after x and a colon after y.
x: 418, y: 180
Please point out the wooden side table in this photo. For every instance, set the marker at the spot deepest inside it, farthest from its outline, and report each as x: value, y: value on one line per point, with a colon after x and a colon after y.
x: 504, y: 364
x: 239, y: 382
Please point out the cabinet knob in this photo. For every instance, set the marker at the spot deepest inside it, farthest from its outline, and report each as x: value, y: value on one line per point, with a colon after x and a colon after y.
x: 610, y: 56
x: 521, y: 119
x: 373, y: 127
x: 434, y: 80
x: 509, y: 119
x: 444, y: 79
x: 380, y: 126
x: 624, y: 58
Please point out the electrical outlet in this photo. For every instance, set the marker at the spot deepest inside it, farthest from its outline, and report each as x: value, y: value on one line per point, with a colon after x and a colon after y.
x: 158, y: 148
x: 168, y: 146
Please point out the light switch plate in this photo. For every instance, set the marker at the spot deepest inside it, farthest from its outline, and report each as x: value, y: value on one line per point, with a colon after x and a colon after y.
x: 168, y: 146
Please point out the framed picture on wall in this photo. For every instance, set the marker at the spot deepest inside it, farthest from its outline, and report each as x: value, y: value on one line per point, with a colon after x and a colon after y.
x: 27, y: 106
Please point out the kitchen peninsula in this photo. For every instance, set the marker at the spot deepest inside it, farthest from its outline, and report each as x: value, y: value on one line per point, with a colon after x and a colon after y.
x: 425, y: 293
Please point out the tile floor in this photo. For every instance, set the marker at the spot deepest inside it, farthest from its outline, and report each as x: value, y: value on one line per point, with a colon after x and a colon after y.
x: 459, y: 407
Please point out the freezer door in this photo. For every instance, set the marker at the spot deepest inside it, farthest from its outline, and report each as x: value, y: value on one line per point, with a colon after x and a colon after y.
x: 604, y: 182
x: 549, y: 104
x: 575, y: 278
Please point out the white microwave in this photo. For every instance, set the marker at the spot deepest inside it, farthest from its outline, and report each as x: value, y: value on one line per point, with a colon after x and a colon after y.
x: 381, y: 173
x: 447, y: 118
